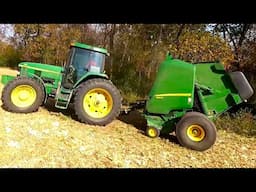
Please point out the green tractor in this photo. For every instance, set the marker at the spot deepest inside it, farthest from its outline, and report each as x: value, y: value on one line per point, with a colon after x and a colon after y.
x: 186, y: 97
x: 82, y: 81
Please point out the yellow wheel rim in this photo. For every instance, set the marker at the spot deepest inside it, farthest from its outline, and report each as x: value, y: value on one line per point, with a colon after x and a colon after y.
x: 152, y: 132
x: 98, y: 103
x: 23, y: 96
x: 195, y: 133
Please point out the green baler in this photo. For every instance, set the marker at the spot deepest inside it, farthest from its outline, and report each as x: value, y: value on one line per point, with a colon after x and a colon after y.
x: 186, y: 97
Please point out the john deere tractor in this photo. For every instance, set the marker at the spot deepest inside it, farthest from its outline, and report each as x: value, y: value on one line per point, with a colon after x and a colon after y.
x: 81, y: 81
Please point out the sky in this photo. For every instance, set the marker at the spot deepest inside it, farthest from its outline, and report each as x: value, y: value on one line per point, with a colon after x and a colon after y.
x: 6, y: 31
x: 9, y: 30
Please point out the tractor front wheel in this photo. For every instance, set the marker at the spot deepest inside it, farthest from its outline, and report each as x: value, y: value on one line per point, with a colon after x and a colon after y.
x: 23, y: 95
x: 97, y: 102
x: 196, y: 131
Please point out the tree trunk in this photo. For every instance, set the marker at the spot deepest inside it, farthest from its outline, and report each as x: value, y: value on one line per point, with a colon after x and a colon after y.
x: 111, y: 47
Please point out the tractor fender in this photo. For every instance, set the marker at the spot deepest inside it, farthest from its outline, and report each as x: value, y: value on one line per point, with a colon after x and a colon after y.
x: 41, y: 81
x: 90, y: 75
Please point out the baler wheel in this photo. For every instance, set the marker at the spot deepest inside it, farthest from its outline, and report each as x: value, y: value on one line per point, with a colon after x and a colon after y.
x: 152, y: 132
x: 196, y: 131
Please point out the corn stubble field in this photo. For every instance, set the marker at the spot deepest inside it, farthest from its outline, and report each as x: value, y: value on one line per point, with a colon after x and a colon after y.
x: 52, y: 138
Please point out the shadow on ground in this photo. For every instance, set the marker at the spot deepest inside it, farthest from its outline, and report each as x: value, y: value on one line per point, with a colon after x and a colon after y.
x: 69, y: 112
x: 134, y: 118
x: 137, y: 119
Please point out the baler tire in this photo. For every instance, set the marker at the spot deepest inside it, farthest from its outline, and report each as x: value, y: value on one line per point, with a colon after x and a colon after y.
x: 190, y: 125
x: 17, y: 83
x: 108, y: 91
x: 152, y: 132
x: 188, y: 114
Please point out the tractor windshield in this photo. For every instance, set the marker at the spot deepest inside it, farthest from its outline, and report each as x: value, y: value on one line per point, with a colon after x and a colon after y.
x: 84, y: 61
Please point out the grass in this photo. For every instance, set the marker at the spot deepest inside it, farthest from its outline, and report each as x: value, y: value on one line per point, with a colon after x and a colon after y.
x: 130, y: 97
x: 242, y: 122
x: 7, y: 71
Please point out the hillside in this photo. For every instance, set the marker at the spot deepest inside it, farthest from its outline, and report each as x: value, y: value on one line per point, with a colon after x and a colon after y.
x: 53, y: 138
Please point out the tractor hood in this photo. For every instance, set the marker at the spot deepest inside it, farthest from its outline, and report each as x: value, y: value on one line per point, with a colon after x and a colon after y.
x: 41, y: 67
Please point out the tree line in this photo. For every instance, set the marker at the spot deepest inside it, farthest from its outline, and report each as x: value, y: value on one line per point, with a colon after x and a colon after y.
x: 136, y: 49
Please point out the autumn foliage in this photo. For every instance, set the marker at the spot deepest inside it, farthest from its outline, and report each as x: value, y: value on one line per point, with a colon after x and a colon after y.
x: 136, y: 49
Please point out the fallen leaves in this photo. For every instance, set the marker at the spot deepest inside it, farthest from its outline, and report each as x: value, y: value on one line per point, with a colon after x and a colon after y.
x: 51, y: 139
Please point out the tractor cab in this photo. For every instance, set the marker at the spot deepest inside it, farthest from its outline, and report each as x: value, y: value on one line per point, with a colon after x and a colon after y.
x: 84, y: 62
x: 81, y: 60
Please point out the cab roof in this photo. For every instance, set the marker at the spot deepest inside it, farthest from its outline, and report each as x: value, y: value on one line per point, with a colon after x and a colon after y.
x: 85, y: 46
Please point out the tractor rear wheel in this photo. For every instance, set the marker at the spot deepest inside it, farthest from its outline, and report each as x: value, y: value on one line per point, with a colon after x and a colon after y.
x: 97, y: 102
x: 23, y: 95
x: 196, y: 131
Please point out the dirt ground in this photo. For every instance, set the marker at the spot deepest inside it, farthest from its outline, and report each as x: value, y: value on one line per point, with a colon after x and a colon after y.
x: 52, y: 138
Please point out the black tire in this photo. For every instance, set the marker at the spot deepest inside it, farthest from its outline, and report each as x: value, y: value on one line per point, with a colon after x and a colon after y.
x: 152, y: 132
x: 197, y: 121
x: 198, y: 114
x: 101, y: 84
x: 8, y: 103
